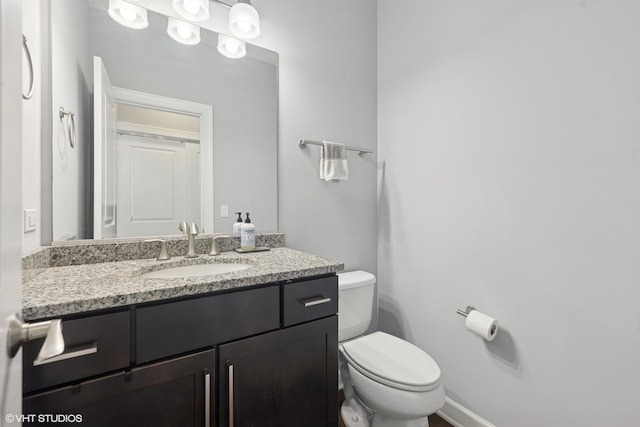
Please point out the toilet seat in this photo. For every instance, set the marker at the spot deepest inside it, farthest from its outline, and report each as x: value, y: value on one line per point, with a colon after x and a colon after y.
x: 393, y: 362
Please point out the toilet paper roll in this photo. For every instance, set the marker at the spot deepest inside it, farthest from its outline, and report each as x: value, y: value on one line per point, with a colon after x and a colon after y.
x: 482, y: 325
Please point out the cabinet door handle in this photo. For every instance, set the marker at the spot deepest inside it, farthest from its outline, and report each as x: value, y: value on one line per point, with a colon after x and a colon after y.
x: 77, y: 352
x: 315, y: 301
x: 207, y: 400
x: 230, y: 395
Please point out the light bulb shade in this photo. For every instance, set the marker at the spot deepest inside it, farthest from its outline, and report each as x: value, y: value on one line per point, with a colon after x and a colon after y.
x: 129, y: 15
x: 192, y: 10
x: 230, y: 47
x: 183, y: 32
x: 244, y: 21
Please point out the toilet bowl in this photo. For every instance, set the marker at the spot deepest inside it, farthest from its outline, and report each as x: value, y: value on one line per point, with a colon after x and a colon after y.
x: 388, y: 382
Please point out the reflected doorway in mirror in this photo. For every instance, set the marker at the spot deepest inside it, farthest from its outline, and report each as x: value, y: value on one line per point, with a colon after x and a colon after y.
x: 148, y: 161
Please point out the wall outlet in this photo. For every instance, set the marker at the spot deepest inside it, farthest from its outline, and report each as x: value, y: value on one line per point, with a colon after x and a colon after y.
x: 224, y: 211
x: 30, y: 217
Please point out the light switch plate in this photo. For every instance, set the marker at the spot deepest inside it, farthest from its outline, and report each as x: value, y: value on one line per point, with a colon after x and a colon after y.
x: 30, y: 220
x: 224, y: 211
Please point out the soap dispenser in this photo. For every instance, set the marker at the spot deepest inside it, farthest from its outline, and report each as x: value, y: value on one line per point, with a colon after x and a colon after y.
x: 237, y: 226
x: 248, y: 235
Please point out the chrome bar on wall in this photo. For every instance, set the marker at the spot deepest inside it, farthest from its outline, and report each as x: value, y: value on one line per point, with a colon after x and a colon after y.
x: 27, y: 52
x: 361, y: 151
x: 71, y: 125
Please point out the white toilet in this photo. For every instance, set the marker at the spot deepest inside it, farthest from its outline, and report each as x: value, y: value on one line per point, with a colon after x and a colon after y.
x: 388, y: 382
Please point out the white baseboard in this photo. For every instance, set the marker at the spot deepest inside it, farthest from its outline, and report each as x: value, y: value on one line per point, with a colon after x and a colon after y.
x: 459, y: 416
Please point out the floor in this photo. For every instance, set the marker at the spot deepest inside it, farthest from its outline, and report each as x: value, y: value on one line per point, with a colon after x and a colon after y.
x: 434, y: 420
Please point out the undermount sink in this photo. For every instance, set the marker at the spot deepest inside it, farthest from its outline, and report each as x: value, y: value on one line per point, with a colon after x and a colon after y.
x: 195, y: 270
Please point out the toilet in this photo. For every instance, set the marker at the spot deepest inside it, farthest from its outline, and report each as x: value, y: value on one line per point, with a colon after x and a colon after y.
x: 388, y: 382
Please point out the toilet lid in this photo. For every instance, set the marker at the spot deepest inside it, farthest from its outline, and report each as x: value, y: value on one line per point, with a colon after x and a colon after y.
x: 393, y: 362
x: 355, y: 279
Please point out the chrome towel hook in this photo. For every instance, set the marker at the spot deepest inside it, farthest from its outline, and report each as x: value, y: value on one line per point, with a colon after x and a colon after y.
x: 30, y: 63
x: 71, y: 125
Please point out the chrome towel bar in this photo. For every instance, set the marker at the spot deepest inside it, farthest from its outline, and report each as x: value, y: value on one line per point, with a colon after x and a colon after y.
x: 361, y: 151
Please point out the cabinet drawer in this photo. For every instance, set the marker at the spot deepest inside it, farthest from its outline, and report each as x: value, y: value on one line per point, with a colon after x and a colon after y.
x: 177, y: 327
x: 308, y: 300
x: 93, y: 345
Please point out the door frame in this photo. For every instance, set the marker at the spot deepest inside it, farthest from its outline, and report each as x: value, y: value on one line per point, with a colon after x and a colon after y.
x: 10, y: 199
x: 205, y: 112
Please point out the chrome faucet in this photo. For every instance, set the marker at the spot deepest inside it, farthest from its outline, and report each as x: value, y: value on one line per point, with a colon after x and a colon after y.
x: 191, y: 231
x: 214, y: 245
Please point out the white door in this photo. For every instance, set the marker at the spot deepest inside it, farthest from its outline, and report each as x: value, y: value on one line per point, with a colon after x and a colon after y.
x: 104, y: 153
x: 10, y: 201
x: 152, y: 187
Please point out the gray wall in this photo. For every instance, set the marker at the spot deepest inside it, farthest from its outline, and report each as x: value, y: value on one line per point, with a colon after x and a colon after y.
x: 509, y: 132
x: 327, y: 91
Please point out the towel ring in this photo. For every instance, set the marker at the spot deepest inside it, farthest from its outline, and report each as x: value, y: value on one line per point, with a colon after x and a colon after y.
x: 71, y: 125
x: 25, y: 47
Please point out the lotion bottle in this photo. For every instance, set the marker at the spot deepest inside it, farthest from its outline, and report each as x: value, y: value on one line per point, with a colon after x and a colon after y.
x: 248, y: 235
x: 237, y: 226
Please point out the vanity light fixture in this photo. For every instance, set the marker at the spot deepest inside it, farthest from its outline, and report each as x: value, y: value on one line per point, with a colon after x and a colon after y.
x: 129, y: 15
x: 244, y: 21
x: 183, y: 32
x: 192, y: 10
x: 230, y: 47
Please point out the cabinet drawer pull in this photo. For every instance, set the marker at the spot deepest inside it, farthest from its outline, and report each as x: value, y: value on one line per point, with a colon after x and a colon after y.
x: 315, y: 301
x: 207, y: 400
x: 77, y: 352
x: 230, y: 395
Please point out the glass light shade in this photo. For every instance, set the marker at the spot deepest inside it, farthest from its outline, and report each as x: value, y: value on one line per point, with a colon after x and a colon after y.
x: 192, y: 10
x: 129, y: 15
x: 183, y: 32
x: 230, y: 47
x: 244, y: 21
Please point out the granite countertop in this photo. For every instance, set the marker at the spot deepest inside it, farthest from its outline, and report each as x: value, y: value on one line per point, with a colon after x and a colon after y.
x: 57, y: 291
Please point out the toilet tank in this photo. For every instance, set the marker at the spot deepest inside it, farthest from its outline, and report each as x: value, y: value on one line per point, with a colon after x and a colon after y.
x: 355, y: 303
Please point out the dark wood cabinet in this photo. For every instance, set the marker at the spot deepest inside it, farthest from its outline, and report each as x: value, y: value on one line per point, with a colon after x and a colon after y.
x: 286, y: 378
x: 264, y: 356
x: 173, y: 328
x: 93, y: 345
x: 177, y: 392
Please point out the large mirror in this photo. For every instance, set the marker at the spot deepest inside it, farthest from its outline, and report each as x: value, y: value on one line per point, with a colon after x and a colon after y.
x: 164, y: 132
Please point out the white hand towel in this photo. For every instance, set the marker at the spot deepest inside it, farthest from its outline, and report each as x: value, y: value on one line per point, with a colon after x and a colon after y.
x: 333, y: 162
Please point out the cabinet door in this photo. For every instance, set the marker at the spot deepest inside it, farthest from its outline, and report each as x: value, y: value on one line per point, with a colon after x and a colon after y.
x: 177, y: 392
x: 286, y: 378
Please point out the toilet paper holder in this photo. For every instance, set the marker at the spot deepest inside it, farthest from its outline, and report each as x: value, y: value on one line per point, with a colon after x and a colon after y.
x: 466, y: 312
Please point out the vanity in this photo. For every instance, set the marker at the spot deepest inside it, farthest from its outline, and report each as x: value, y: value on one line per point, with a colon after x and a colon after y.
x: 252, y: 347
